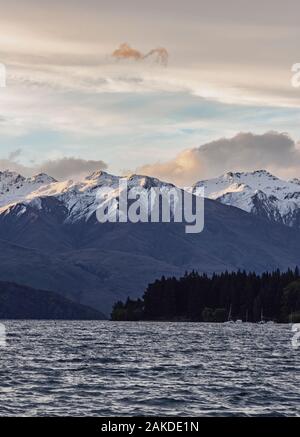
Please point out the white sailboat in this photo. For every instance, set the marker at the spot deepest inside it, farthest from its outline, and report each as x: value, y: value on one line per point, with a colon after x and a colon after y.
x: 262, y: 321
x: 229, y: 320
x: 246, y: 316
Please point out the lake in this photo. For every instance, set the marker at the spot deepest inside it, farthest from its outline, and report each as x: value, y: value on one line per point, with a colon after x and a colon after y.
x: 137, y: 368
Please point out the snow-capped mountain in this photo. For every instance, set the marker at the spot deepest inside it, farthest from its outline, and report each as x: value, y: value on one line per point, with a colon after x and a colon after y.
x: 258, y: 192
x: 50, y: 239
x: 79, y: 199
x: 15, y: 188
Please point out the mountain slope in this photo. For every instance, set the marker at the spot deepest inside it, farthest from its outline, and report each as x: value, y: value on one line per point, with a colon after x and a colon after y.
x: 258, y: 192
x: 14, y: 187
x: 20, y: 302
x: 52, y: 240
x: 98, y: 264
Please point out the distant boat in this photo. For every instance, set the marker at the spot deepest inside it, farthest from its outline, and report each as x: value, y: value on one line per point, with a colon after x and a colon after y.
x: 262, y: 321
x: 229, y: 320
x: 239, y: 321
x: 291, y: 317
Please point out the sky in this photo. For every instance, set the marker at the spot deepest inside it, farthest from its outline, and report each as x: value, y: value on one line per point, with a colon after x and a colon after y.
x: 200, y: 88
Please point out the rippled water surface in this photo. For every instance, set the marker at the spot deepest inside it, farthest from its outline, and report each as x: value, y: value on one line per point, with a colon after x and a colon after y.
x: 105, y: 369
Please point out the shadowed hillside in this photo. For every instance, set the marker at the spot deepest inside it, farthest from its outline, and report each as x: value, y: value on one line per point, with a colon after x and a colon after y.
x: 20, y: 302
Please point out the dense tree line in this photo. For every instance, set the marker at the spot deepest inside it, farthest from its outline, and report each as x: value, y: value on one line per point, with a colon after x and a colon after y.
x: 217, y: 298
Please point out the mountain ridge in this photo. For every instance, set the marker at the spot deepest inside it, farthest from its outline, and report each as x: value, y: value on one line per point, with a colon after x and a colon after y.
x: 258, y: 192
x: 52, y: 240
x: 23, y: 302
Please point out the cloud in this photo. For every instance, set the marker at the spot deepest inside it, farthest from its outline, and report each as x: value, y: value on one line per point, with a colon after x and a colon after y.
x: 273, y: 151
x: 65, y: 168
x: 7, y: 164
x: 159, y: 55
x: 242, y: 60
x: 126, y: 52
x: 60, y: 169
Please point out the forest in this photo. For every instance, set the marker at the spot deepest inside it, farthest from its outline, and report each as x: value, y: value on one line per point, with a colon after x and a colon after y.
x: 249, y: 297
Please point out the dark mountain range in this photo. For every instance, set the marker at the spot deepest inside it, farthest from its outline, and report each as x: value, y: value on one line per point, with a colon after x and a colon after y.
x: 53, y: 241
x: 97, y: 264
x: 20, y: 302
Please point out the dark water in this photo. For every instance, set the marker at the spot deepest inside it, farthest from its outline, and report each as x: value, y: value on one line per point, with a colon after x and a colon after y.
x: 104, y: 368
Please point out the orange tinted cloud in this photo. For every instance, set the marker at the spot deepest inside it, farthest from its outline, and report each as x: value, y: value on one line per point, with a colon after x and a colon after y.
x: 246, y: 151
x: 159, y: 55
x: 126, y: 52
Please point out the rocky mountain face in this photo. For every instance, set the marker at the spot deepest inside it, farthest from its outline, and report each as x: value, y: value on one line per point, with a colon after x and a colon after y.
x: 258, y: 192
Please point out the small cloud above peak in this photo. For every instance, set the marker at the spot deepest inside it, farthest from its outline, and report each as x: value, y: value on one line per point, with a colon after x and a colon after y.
x: 54, y: 170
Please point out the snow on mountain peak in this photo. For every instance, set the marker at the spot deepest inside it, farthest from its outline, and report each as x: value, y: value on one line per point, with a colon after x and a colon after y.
x: 79, y: 198
x: 97, y: 175
x: 146, y: 181
x: 295, y: 181
x: 42, y: 178
x: 259, y: 192
x: 15, y: 188
x: 98, y: 179
x: 7, y: 177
